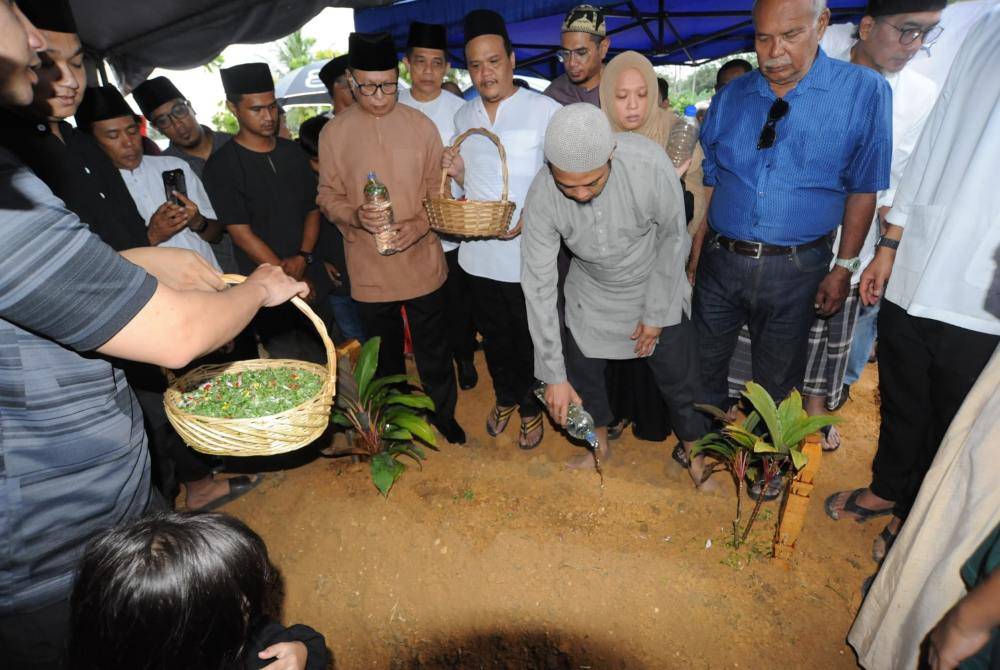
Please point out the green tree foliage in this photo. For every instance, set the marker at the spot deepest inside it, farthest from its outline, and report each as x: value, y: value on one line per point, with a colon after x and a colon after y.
x: 295, y: 51
x: 224, y: 120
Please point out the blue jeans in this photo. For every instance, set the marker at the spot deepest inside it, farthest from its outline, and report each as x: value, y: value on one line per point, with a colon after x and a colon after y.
x: 345, y: 313
x: 865, y: 333
x: 774, y: 296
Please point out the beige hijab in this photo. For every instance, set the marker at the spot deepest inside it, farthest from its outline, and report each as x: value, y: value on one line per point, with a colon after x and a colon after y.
x: 656, y: 122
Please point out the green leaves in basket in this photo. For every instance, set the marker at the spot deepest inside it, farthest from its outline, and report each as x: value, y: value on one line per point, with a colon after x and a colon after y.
x: 251, y: 393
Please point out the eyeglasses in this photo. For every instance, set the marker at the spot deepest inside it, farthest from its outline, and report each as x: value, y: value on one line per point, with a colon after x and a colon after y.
x: 179, y: 111
x: 565, y: 55
x: 927, y: 36
x: 775, y: 114
x: 369, y: 89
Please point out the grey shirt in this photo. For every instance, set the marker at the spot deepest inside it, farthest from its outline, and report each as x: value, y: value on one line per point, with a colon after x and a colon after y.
x: 629, y: 245
x: 73, y: 456
x: 197, y: 163
x: 565, y: 92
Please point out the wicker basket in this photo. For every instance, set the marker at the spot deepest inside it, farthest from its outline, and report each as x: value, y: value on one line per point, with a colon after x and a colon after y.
x: 257, y: 436
x: 471, y: 218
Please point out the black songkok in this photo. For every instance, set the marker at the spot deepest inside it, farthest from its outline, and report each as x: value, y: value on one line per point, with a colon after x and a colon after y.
x: 52, y: 15
x: 332, y: 71
x: 101, y: 103
x: 152, y: 93
x: 372, y: 52
x: 427, y: 36
x: 484, y: 22
x: 247, y: 79
x: 878, y: 8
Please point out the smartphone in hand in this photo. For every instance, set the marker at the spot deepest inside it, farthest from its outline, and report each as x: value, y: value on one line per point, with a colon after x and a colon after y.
x: 173, y: 180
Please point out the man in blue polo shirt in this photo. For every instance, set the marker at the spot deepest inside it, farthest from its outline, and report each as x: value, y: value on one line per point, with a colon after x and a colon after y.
x: 792, y: 151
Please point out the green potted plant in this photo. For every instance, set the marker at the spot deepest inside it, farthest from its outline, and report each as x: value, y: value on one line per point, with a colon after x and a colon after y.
x: 766, y: 444
x: 388, y: 422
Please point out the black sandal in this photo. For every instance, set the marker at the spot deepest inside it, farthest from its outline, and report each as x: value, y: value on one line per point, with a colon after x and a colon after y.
x: 887, y: 538
x: 527, y: 427
x: 680, y: 455
x: 851, y: 506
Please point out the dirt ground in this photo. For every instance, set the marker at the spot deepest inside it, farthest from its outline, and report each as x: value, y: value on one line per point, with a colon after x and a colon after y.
x: 491, y: 557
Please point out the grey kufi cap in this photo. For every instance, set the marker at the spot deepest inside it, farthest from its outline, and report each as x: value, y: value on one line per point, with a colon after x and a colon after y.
x: 579, y: 138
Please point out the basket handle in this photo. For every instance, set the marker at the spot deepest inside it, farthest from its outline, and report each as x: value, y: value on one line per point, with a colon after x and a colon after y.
x: 331, y: 355
x: 496, y: 142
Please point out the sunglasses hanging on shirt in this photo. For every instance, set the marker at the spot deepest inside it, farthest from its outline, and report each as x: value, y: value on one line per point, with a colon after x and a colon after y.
x: 768, y: 134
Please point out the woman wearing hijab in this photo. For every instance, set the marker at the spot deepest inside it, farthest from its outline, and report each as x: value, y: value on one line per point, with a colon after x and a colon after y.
x: 630, y: 99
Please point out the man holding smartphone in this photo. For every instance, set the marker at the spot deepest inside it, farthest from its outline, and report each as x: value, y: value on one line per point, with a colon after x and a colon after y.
x: 182, y: 217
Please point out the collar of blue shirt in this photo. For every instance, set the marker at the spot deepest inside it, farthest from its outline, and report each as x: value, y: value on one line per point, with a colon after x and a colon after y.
x: 818, y: 76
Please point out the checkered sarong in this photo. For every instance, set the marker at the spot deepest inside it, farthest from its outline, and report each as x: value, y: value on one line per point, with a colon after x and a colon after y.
x: 829, y: 351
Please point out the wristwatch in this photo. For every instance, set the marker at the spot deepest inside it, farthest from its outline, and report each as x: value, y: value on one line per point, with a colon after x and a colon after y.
x: 887, y: 243
x: 852, y: 265
x: 307, y: 255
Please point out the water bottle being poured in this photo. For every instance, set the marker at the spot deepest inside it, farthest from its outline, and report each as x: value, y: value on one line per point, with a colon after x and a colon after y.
x: 579, y: 424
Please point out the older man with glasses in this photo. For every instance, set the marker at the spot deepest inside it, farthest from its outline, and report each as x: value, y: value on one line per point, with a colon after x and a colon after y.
x: 402, y: 147
x: 582, y: 48
x: 792, y: 151
x: 169, y: 112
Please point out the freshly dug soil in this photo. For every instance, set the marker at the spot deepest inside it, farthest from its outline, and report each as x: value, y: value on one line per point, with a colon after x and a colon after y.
x: 492, y: 557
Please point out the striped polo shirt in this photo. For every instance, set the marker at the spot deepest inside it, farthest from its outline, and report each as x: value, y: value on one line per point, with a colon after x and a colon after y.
x: 73, y: 457
x: 835, y: 139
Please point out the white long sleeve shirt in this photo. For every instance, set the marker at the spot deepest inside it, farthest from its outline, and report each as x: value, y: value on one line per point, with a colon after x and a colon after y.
x: 145, y: 184
x: 441, y: 110
x: 913, y: 97
x: 946, y: 267
x: 520, y: 123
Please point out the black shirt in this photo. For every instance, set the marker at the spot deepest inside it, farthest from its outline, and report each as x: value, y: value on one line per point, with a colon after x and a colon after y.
x: 272, y: 192
x: 80, y: 174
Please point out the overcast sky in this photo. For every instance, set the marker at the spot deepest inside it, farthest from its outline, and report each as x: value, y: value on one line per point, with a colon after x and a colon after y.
x: 330, y: 28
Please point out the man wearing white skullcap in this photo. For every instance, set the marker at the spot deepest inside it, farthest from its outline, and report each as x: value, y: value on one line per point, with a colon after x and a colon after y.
x: 614, y: 200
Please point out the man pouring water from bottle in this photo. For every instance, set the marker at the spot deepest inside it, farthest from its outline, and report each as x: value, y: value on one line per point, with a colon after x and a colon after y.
x: 614, y: 200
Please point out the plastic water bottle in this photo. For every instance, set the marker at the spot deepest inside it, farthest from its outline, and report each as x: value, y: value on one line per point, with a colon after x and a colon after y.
x: 579, y: 424
x: 376, y: 193
x: 683, y: 137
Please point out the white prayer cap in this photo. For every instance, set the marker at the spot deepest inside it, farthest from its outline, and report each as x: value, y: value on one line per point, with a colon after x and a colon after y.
x: 579, y: 138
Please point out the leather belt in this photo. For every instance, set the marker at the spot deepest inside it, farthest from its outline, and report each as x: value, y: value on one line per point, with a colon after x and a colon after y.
x: 758, y: 249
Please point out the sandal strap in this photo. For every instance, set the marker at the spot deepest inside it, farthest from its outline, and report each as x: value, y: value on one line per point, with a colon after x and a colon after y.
x: 501, y: 413
x: 531, y: 424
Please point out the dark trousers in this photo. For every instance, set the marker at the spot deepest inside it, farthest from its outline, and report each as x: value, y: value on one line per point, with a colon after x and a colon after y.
x: 502, y: 319
x: 36, y: 640
x: 774, y: 296
x: 926, y: 368
x: 428, y: 329
x: 674, y: 367
x: 461, y: 327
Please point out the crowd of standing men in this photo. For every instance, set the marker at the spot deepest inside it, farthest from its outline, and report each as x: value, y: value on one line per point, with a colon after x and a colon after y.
x: 628, y: 284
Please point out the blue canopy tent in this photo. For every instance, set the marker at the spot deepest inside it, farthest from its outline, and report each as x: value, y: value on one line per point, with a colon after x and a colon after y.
x: 667, y: 31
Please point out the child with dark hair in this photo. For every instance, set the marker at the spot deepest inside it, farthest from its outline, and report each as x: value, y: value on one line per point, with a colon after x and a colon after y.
x: 183, y: 590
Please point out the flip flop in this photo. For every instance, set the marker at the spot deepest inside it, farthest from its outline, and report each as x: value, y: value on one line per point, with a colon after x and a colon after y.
x: 851, y: 506
x: 831, y: 438
x: 616, y: 429
x: 527, y: 427
x: 238, y: 486
x: 681, y: 456
x: 500, y: 417
x: 883, y: 543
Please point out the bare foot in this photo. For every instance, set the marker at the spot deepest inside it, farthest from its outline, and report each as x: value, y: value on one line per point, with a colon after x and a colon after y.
x: 585, y: 461
x: 202, y: 492
x: 867, y: 500
x: 698, y: 470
